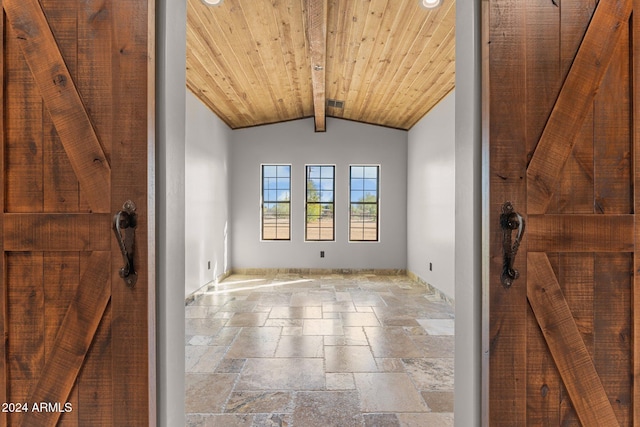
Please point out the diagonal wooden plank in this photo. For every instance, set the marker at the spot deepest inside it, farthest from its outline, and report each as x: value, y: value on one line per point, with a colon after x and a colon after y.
x: 580, y: 233
x: 73, y: 340
x: 317, y: 40
x: 566, y: 345
x: 574, y: 101
x: 62, y: 100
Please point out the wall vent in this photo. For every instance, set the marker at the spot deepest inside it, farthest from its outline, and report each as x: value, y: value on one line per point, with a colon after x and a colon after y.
x: 335, y: 103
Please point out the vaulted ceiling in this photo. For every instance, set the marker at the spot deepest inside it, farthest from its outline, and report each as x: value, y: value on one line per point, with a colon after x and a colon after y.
x: 255, y: 62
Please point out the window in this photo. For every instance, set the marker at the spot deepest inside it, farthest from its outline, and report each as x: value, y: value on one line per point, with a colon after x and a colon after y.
x: 363, y: 200
x: 276, y: 201
x: 320, y: 202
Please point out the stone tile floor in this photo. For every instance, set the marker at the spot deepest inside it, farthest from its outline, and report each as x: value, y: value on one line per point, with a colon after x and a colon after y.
x: 319, y: 350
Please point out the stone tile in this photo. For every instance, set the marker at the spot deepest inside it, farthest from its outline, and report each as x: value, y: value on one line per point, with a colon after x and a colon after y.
x: 230, y: 366
x: 225, y: 336
x: 431, y: 374
x: 310, y: 326
x: 203, y: 358
x: 255, y: 342
x: 284, y: 322
x: 439, y: 401
x: 260, y: 402
x: 322, y: 327
x: 212, y: 300
x: 282, y: 374
x: 300, y: 346
x: 291, y: 330
x: 203, y: 326
x: 196, y: 311
x: 349, y: 359
x: 200, y: 340
x: 438, y: 326
x: 327, y: 408
x: 360, y: 319
x: 248, y: 319
x: 296, y: 313
x: 305, y: 299
x: 435, y: 345
x: 206, y: 393
x: 391, y: 342
x: 338, y: 306
x: 388, y: 392
x: 217, y: 420
x: 422, y: 420
x: 390, y: 365
x: 239, y: 306
x: 340, y: 381
x: 381, y: 420
x: 343, y: 296
x: 275, y: 298
x: 271, y: 420
x: 352, y: 336
x: 331, y: 315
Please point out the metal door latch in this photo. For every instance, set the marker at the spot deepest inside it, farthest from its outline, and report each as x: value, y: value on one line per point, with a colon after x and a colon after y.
x: 510, y: 221
x: 126, y: 220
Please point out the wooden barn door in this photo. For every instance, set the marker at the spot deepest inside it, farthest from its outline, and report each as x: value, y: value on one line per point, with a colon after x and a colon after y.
x: 74, y: 142
x: 563, y: 113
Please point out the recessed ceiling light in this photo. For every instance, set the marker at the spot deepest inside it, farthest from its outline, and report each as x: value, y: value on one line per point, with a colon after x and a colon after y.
x: 212, y: 2
x: 429, y: 4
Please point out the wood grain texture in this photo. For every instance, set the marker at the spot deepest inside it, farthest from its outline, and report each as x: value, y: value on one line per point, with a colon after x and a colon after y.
x: 316, y: 23
x: 4, y: 378
x: 635, y: 67
x: 62, y: 99
x: 565, y: 344
x: 50, y: 228
x: 130, y: 306
x: 73, y: 340
x: 580, y: 233
x: 506, y: 74
x: 57, y: 232
x: 574, y: 101
x: 391, y: 62
x: 612, y: 334
x: 23, y: 169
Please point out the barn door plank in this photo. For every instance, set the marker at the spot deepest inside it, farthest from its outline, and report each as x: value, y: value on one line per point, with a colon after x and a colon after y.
x: 574, y: 102
x: 57, y: 232
x: 635, y: 310
x: 73, y: 340
x: 566, y: 345
x: 62, y: 99
x: 580, y: 233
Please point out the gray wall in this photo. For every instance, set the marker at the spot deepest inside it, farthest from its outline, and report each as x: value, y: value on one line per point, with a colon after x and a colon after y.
x: 296, y: 143
x: 171, y: 18
x: 431, y: 197
x: 468, y: 249
x: 206, y: 194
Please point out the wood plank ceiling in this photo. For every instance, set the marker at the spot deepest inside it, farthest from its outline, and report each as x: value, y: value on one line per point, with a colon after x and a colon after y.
x: 254, y: 62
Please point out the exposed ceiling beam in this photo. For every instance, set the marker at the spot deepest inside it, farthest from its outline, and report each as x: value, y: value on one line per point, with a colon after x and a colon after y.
x: 317, y: 40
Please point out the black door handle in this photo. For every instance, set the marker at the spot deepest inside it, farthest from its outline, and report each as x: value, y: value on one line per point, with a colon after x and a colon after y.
x: 510, y: 220
x: 126, y: 220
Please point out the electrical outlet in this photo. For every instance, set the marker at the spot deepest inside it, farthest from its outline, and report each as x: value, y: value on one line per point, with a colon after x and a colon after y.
x: 321, y: 254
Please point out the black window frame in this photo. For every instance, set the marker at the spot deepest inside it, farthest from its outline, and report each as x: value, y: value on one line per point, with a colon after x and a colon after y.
x: 362, y: 205
x: 321, y: 204
x: 281, y: 206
